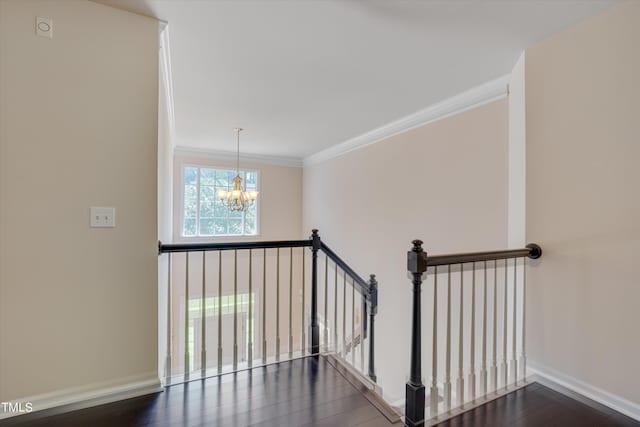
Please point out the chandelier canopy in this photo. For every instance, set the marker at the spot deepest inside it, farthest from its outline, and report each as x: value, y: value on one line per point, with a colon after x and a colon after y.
x: 238, y: 199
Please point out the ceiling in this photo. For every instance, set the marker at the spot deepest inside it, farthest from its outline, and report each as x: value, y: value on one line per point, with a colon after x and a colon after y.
x: 301, y: 76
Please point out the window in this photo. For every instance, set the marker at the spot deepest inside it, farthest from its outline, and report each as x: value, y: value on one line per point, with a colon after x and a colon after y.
x: 204, y: 214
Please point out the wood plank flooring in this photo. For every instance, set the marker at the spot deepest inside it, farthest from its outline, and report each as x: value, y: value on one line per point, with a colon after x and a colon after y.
x: 296, y: 393
x: 310, y: 392
x: 538, y: 406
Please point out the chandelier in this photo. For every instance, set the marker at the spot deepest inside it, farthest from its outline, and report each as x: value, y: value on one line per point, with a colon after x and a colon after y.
x: 237, y: 199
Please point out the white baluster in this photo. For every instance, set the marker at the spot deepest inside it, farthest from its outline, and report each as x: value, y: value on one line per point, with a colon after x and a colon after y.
x: 503, y: 366
x: 523, y: 357
x: 483, y: 367
x: 514, y: 329
x: 186, y: 318
x: 460, y: 381
x: 203, y: 318
x: 493, y: 371
x: 169, y: 324
x: 472, y: 347
x: 447, y: 375
x: 433, y: 408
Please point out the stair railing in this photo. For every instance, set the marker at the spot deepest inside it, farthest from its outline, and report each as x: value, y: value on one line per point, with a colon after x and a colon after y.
x: 498, y: 288
x: 231, y: 306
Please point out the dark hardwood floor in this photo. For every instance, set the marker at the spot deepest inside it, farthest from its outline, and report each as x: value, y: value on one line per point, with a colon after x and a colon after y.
x: 296, y: 393
x: 310, y: 392
x: 536, y: 405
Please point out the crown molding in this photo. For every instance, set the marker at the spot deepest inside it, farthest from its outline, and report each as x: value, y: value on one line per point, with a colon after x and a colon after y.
x: 231, y: 156
x: 475, y: 97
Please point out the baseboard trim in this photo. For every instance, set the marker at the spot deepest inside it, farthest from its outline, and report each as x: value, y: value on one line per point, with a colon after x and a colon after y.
x: 583, y: 392
x: 72, y: 399
x: 370, y: 390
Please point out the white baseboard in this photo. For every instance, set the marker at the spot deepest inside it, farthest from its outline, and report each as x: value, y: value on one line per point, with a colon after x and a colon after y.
x: 576, y: 389
x: 75, y: 398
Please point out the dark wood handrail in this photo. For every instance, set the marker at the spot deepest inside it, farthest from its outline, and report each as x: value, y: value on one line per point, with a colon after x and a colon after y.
x: 227, y: 246
x: 364, y: 285
x: 532, y: 251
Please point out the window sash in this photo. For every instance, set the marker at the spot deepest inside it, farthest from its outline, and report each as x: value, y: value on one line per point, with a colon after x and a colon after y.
x: 212, y: 216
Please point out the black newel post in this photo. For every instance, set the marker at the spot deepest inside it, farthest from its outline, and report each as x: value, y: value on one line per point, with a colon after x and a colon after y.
x: 373, y: 310
x: 314, y: 328
x: 414, y: 401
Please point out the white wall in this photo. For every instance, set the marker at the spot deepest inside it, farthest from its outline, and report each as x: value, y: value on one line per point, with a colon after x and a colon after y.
x: 78, y: 128
x: 582, y: 111
x: 445, y: 183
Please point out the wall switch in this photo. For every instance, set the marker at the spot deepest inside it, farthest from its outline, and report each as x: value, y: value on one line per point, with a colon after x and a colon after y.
x: 103, y: 217
x: 44, y: 27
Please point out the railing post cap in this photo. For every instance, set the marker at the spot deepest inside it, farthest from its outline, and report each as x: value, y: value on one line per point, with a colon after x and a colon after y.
x: 315, y: 240
x: 372, y: 280
x: 417, y: 258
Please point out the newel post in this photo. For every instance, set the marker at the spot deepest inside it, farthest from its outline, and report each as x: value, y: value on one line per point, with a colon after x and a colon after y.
x: 414, y: 398
x: 372, y: 302
x: 314, y: 328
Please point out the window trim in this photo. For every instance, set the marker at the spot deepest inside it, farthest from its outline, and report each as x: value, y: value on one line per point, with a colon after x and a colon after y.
x: 179, y: 237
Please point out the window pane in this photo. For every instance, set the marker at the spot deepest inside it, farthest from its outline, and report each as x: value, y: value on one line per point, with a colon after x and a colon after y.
x: 207, y: 176
x: 206, y: 227
x: 251, y: 181
x: 190, y: 207
x: 207, y: 194
x: 189, y: 228
x: 235, y: 214
x: 220, y: 226
x: 222, y: 180
x: 220, y: 209
x: 190, y: 176
x: 206, y: 210
x: 250, y: 226
x: 190, y: 192
x: 235, y: 226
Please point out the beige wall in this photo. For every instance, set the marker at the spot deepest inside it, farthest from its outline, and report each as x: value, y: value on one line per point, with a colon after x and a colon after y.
x: 445, y: 183
x: 583, y: 131
x: 78, y: 128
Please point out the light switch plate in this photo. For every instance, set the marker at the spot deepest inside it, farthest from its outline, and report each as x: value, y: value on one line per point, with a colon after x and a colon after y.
x: 103, y: 217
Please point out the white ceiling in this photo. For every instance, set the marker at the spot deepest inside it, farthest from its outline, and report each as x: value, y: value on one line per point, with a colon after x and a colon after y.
x: 301, y: 76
